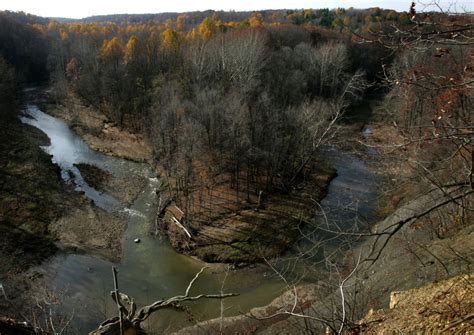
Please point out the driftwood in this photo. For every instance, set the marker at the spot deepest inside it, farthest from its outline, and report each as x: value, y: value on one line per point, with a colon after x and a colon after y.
x: 179, y: 224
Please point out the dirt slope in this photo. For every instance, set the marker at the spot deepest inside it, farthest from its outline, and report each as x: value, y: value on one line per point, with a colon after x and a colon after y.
x: 446, y: 306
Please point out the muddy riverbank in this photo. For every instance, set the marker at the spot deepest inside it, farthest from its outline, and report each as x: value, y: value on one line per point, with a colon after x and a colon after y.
x: 36, y: 216
x: 94, y: 128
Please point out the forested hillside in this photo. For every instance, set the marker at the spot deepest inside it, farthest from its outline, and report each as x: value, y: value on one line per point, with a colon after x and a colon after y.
x: 233, y: 111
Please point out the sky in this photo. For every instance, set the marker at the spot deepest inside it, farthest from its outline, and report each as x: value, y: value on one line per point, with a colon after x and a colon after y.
x: 84, y: 8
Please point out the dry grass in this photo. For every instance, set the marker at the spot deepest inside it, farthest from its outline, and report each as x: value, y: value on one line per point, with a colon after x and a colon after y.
x: 446, y: 307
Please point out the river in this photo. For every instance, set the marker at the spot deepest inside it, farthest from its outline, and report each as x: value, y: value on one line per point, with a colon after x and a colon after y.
x: 151, y: 270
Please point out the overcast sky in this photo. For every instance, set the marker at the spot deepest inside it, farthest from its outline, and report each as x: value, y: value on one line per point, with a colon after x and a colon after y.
x: 84, y: 8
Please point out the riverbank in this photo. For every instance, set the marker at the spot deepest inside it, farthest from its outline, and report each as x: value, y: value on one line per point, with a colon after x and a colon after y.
x: 41, y: 215
x: 95, y: 129
x: 246, y: 234
x: 126, y: 191
x: 218, y: 227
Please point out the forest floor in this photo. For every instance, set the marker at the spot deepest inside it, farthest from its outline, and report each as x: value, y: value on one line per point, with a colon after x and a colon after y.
x: 247, y: 228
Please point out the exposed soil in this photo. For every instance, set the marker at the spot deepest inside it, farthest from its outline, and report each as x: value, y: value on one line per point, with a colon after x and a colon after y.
x: 443, y: 307
x: 126, y: 191
x: 94, y: 127
x: 90, y: 230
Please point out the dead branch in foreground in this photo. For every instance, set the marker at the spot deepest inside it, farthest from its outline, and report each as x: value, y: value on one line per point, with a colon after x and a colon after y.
x: 131, y: 318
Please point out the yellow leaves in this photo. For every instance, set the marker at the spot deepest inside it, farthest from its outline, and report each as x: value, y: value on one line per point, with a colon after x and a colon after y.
x: 347, y: 21
x: 368, y: 19
x: 131, y: 29
x: 112, y: 49
x: 392, y: 15
x: 40, y: 27
x: 296, y: 18
x: 209, y: 27
x: 192, y: 35
x: 256, y: 20
x: 171, y: 40
x: 234, y: 24
x: 308, y: 14
x: 277, y: 16
x: 63, y: 35
x: 131, y: 49
x: 337, y: 23
x: 403, y: 17
x: 53, y: 25
x: 340, y: 11
x: 74, y: 27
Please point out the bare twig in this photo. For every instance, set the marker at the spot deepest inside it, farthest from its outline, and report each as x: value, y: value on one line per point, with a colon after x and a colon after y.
x: 116, y: 291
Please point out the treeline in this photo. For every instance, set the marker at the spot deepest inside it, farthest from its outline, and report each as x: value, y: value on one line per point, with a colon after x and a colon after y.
x: 245, y: 104
x: 113, y: 67
x: 359, y: 19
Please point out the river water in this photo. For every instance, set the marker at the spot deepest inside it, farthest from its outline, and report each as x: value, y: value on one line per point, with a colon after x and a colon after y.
x: 151, y: 269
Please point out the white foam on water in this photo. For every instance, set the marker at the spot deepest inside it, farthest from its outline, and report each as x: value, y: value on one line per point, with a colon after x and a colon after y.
x: 133, y: 212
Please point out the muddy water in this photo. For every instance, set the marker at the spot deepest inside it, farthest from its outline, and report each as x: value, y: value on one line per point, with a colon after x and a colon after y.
x: 151, y: 270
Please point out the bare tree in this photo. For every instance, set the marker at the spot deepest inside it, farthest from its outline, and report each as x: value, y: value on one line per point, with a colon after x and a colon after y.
x: 131, y: 318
